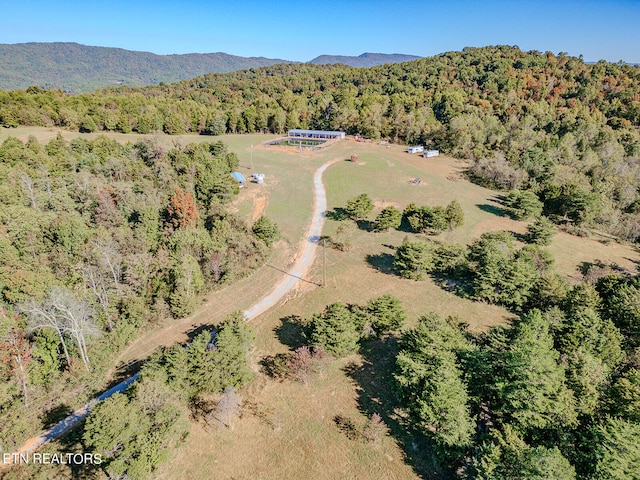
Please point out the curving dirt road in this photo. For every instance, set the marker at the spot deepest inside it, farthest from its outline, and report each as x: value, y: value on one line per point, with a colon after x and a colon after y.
x: 296, y: 273
x: 307, y: 251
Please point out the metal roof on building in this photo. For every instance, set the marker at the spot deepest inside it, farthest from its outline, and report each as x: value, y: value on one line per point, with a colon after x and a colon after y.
x: 311, y: 132
x: 238, y: 176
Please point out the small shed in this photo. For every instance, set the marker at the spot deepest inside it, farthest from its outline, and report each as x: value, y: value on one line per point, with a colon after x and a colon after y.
x: 415, y: 149
x: 239, y: 178
x: 431, y: 153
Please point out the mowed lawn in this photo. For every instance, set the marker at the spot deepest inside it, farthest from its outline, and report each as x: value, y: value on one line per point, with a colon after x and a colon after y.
x: 288, y: 430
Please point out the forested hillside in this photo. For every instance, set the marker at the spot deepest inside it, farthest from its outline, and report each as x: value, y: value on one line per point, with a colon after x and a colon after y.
x: 566, y: 130
x: 77, y: 68
x: 98, y: 239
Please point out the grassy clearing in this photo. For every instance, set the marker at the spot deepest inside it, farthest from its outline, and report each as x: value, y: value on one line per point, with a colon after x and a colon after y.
x: 276, y: 439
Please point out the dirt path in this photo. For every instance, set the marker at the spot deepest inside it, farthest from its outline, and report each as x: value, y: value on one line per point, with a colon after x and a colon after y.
x: 307, y: 252
x: 175, y: 332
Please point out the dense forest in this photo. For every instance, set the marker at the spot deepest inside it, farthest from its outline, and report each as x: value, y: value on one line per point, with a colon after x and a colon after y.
x: 77, y: 68
x: 565, y: 130
x: 98, y: 240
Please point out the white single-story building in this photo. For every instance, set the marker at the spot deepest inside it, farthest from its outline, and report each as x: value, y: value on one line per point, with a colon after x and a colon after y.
x: 415, y: 149
x: 323, y: 134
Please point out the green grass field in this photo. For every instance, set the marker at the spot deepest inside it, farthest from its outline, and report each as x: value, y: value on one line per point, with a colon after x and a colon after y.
x: 288, y: 430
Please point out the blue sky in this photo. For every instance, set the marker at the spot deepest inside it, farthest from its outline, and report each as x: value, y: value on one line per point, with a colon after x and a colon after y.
x: 303, y: 30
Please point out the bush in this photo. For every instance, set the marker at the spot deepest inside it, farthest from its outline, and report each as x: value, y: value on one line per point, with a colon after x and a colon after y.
x: 306, y: 361
x: 343, y: 238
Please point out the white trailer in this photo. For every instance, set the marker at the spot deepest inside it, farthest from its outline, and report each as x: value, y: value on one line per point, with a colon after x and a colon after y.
x: 431, y: 153
x: 416, y: 149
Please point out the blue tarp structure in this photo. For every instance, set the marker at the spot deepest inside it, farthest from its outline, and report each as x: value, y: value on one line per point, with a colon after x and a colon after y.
x: 239, y: 177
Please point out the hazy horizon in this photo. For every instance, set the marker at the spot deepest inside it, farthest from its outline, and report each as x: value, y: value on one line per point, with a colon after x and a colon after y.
x: 300, y: 32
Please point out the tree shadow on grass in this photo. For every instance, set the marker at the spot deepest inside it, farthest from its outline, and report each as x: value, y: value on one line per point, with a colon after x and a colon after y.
x: 338, y: 214
x: 275, y: 366
x: 377, y: 393
x: 292, y: 331
x: 521, y: 237
x: 383, y: 262
x: 366, y: 225
x: 196, y: 330
x: 493, y: 209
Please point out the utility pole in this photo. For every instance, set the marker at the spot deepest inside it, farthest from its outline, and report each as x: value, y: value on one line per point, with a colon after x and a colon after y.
x: 251, y: 157
x: 324, y: 262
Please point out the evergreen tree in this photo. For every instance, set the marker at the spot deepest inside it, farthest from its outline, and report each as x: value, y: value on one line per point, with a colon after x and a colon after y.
x: 523, y: 204
x: 136, y: 430
x: 430, y: 382
x: 454, y: 214
x: 616, y: 454
x: 624, y: 395
x: 233, y: 342
x: 507, y: 457
x: 266, y: 230
x: 388, y: 218
x: 540, y: 232
x: 359, y: 207
x: 533, y: 391
x: 586, y: 376
x: 586, y: 330
x: 335, y: 330
x: 501, y: 274
x: 414, y: 259
x: 386, y: 314
x: 621, y: 304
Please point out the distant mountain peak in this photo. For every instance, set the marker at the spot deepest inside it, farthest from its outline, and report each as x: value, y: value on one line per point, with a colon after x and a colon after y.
x: 364, y: 60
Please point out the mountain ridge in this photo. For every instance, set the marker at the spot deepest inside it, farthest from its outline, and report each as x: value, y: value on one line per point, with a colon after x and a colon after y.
x: 365, y: 60
x: 77, y: 68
